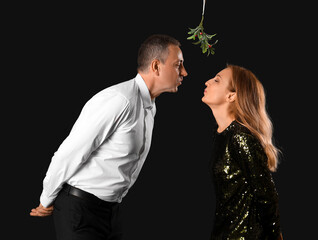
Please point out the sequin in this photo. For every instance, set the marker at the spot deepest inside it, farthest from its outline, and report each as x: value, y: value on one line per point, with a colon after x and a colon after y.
x: 247, y: 200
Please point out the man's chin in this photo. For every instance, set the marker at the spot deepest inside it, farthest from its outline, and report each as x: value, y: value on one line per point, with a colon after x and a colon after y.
x: 177, y: 87
x: 175, y: 90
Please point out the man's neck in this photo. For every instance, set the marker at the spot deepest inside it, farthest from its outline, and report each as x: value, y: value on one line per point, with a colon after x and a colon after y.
x: 150, y: 82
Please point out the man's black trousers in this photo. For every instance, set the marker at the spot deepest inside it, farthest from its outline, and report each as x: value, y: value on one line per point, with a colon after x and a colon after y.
x: 79, y: 215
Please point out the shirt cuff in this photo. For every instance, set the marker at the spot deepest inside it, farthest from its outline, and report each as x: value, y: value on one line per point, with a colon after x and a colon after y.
x: 45, y: 201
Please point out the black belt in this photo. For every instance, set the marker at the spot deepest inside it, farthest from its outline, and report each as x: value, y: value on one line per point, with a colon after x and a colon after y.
x: 85, y: 195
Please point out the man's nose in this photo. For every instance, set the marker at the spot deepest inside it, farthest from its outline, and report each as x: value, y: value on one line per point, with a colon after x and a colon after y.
x: 184, y: 72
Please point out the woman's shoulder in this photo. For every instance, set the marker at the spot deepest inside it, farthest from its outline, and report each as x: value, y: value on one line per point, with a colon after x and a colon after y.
x: 242, y: 135
x: 239, y: 129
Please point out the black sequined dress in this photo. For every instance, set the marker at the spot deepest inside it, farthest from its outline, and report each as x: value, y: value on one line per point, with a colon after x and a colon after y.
x: 247, y: 200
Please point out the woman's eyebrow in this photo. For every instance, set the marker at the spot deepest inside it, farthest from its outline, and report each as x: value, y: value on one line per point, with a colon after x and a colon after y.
x: 218, y: 75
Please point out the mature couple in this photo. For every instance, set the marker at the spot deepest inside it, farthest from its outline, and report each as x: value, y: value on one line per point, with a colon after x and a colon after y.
x: 100, y: 160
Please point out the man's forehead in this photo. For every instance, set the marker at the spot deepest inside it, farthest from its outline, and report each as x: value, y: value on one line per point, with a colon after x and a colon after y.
x: 175, y: 53
x: 180, y: 56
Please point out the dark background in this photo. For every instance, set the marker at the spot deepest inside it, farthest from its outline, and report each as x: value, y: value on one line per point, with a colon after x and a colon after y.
x: 61, y: 55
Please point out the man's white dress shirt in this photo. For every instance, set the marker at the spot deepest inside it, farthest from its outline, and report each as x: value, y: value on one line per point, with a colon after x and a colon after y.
x: 107, y: 145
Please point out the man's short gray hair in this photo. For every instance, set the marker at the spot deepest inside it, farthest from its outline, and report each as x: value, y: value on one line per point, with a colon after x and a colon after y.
x: 154, y: 47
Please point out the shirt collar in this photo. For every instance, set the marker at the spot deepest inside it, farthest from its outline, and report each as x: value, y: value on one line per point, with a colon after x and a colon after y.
x: 144, y: 92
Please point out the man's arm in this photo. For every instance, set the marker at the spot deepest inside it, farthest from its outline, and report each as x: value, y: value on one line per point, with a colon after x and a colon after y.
x: 98, y: 119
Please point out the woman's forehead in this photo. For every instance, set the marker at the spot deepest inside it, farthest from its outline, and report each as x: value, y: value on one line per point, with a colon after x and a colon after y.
x: 225, y: 73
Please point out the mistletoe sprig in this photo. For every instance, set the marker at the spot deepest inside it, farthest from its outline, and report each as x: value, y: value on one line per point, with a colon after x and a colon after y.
x: 203, y: 38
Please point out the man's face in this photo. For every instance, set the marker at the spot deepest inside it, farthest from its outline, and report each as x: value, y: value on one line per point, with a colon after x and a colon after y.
x: 172, y: 71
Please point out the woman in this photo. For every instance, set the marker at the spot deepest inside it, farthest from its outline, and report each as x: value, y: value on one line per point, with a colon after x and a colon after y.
x: 243, y: 158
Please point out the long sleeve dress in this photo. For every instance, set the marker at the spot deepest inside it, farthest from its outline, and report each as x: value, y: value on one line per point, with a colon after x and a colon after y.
x: 246, y: 197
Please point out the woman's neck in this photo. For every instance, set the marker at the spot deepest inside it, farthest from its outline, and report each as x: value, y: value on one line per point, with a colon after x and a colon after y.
x: 223, y: 118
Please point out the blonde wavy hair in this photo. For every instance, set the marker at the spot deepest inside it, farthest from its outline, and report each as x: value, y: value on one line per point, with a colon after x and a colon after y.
x: 250, y: 110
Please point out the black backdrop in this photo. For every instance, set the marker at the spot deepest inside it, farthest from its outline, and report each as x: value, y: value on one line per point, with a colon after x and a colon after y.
x: 61, y: 55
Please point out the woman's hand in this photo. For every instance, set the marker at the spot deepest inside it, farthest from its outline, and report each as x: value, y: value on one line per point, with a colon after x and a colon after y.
x: 41, y: 211
x: 280, y: 236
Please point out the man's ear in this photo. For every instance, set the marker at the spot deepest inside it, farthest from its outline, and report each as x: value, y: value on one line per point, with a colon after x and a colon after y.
x: 155, y: 66
x: 231, y: 97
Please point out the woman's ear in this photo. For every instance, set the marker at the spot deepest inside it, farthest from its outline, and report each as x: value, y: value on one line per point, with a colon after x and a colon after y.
x: 231, y: 97
x: 155, y: 65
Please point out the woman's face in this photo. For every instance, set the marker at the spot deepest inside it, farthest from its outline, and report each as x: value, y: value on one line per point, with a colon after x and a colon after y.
x: 217, y: 90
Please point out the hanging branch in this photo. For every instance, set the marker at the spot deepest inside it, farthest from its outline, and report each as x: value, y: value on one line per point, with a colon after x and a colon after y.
x: 203, y: 37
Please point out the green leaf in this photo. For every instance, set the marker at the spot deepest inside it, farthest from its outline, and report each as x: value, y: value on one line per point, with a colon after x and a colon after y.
x: 204, y: 47
x: 191, y: 31
x: 215, y: 42
x: 210, y: 36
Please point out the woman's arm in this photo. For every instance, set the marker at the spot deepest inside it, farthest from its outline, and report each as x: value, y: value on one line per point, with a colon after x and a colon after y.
x: 253, y: 157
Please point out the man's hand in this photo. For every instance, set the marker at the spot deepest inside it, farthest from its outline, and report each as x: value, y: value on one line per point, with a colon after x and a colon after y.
x: 41, y: 211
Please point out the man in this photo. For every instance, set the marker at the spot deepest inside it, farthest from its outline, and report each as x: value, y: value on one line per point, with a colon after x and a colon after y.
x: 101, y: 158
